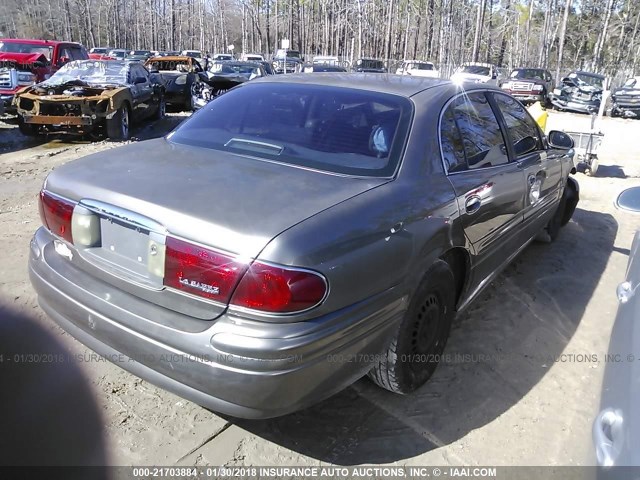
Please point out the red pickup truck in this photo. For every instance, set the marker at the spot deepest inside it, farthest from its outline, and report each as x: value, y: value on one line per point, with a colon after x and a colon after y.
x: 25, y: 62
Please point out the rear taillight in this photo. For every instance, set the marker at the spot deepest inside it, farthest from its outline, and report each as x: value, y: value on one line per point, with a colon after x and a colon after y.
x: 56, y: 214
x: 207, y: 273
x: 278, y: 289
x: 200, y: 271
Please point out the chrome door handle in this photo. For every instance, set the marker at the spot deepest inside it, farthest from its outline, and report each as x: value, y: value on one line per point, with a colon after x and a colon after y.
x: 472, y: 204
x: 608, y: 436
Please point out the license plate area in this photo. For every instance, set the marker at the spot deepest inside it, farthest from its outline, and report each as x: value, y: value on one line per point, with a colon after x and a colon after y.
x: 128, y: 246
x: 131, y: 246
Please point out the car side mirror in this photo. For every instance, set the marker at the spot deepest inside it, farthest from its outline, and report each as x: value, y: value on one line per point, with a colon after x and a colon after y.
x: 62, y: 61
x: 139, y: 80
x: 558, y: 139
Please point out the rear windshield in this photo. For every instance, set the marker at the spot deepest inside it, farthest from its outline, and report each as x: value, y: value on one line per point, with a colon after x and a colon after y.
x: 475, y: 69
x: 339, y: 130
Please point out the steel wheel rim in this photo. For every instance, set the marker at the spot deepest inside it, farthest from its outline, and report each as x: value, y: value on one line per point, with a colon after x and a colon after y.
x: 427, y: 326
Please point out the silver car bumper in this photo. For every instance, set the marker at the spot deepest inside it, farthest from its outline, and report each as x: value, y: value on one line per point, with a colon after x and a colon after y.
x: 234, y: 366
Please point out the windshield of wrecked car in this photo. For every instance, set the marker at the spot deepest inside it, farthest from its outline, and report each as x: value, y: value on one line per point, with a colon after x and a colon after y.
x: 528, y: 73
x: 244, y: 70
x: 632, y: 82
x: 339, y: 130
x: 475, y: 70
x: 584, y: 78
x: 11, y: 47
x: 92, y: 72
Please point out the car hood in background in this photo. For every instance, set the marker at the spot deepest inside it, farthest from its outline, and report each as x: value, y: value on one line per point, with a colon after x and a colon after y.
x: 233, y: 202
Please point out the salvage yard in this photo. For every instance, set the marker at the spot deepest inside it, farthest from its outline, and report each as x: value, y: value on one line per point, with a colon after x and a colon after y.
x: 519, y: 383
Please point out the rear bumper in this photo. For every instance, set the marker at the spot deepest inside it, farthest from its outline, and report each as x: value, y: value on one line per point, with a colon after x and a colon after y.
x: 234, y: 366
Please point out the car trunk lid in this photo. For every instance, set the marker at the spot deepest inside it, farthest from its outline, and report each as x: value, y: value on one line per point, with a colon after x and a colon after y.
x: 228, y: 202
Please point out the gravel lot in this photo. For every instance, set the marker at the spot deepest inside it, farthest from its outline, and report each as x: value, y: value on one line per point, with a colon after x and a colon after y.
x: 521, y: 386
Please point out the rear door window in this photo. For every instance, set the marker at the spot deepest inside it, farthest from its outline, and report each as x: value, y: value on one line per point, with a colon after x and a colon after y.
x: 478, y: 131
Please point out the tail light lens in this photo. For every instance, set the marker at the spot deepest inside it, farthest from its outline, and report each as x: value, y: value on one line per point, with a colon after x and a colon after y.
x: 200, y: 271
x: 56, y: 214
x: 278, y: 289
x: 267, y: 288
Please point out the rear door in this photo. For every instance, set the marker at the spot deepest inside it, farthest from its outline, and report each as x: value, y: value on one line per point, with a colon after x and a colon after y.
x: 542, y: 168
x: 488, y: 185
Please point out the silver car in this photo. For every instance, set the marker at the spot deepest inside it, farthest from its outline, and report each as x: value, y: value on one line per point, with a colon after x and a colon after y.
x: 297, y: 233
x: 616, y: 429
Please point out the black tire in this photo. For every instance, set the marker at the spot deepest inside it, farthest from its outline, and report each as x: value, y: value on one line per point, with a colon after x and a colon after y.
x: 118, y: 127
x: 27, y: 129
x: 162, y: 109
x: 414, y: 352
x: 563, y: 212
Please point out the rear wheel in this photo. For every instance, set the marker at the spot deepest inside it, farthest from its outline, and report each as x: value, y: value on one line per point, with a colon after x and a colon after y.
x: 27, y: 129
x: 118, y: 126
x: 414, y: 352
x: 564, y: 211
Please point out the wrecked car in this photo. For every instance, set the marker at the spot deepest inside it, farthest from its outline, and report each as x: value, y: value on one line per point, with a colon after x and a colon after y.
x: 179, y: 73
x: 91, y: 96
x: 529, y: 85
x: 579, y: 92
x: 25, y: 62
x: 626, y: 99
x: 223, y: 76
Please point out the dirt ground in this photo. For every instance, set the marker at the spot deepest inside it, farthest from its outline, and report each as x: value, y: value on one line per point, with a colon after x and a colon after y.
x: 521, y: 385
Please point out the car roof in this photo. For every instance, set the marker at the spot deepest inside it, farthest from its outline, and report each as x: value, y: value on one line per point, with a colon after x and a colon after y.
x: 402, y: 85
x: 34, y: 42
